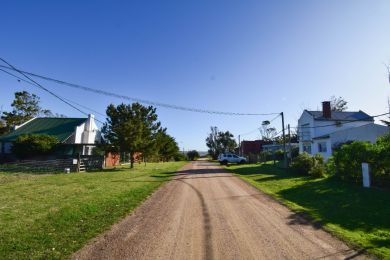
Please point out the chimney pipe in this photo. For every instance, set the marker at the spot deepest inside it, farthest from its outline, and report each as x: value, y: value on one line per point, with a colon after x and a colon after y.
x: 326, y: 110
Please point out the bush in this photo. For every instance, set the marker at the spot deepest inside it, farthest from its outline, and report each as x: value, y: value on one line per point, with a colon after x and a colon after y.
x: 34, y: 145
x: 330, y: 166
x: 294, y: 152
x: 348, y: 159
x: 318, y: 169
x: 192, y: 155
x: 279, y: 155
x: 179, y: 157
x: 266, y: 156
x: 308, y: 165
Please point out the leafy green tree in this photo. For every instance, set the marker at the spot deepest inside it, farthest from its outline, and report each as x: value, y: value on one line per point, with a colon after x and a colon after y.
x: 3, y: 127
x: 131, y: 128
x: 227, y: 141
x: 31, y: 145
x: 165, y: 145
x: 25, y: 107
x: 193, y: 155
x: 212, y: 143
x: 219, y: 142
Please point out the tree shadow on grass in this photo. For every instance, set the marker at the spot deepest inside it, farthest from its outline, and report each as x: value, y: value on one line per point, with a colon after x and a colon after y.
x: 272, y: 172
x: 346, y: 205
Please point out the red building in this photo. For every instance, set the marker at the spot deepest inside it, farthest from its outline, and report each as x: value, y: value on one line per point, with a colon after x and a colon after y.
x: 252, y: 147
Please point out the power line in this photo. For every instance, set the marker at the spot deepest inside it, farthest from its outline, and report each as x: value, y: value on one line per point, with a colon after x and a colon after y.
x: 34, y: 83
x: 144, y: 101
x: 85, y: 107
x: 257, y: 129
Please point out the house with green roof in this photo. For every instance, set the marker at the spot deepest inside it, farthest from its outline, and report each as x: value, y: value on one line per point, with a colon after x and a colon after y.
x: 76, y: 135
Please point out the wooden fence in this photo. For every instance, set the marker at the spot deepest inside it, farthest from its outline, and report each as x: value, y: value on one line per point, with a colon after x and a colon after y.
x: 55, y: 165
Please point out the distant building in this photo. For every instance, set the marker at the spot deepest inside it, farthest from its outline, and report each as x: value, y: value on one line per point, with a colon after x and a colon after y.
x: 252, y: 147
x: 76, y: 135
x: 276, y: 147
x: 320, y: 131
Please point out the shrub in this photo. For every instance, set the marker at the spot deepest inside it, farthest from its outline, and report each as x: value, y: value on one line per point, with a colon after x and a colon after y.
x: 266, y: 156
x: 308, y: 165
x: 179, y: 157
x: 33, y: 145
x: 330, y: 166
x: 279, y: 155
x: 302, y: 163
x: 318, y: 169
x: 348, y: 159
x: 294, y: 152
x: 192, y: 155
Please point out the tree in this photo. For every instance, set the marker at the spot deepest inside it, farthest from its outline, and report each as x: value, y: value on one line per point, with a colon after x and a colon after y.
x: 227, y: 141
x: 25, y: 107
x: 212, y: 143
x: 192, y: 155
x: 165, y: 145
x: 3, y: 127
x: 32, y: 145
x: 219, y: 142
x: 131, y: 128
x: 267, y: 133
x: 338, y: 103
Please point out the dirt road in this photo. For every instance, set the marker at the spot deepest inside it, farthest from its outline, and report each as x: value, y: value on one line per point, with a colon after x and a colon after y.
x: 207, y: 213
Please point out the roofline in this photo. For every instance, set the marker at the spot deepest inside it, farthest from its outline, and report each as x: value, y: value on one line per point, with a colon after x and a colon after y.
x: 345, y: 120
x: 367, y: 119
x: 28, y: 121
x: 346, y: 129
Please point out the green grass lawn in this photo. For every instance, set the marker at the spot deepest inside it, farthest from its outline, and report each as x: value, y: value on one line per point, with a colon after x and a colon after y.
x: 52, y: 216
x: 358, y: 215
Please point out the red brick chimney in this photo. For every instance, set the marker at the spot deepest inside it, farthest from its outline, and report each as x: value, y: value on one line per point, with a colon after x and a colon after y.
x: 326, y: 110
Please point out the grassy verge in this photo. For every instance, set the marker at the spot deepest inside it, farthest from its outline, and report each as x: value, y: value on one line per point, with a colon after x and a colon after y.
x: 359, y: 216
x: 52, y: 216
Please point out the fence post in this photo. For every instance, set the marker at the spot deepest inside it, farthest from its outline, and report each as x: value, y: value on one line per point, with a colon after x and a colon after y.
x: 78, y: 162
x: 366, y: 175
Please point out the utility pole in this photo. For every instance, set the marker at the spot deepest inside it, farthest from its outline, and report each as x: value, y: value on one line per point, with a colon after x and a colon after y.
x: 284, y: 141
x: 289, y: 144
x: 239, y: 145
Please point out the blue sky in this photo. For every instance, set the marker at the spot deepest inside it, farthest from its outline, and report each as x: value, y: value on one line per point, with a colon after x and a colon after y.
x: 238, y: 56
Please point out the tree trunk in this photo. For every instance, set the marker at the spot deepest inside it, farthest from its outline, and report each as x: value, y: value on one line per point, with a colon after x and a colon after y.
x: 131, y: 160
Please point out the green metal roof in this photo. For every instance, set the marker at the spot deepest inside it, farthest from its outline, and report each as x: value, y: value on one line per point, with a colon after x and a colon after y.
x: 61, y: 128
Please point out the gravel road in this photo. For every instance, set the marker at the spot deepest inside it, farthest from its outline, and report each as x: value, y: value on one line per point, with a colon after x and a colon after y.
x: 207, y: 213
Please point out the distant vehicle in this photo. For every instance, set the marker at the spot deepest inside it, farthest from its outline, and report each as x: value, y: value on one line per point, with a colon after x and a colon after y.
x: 225, y: 158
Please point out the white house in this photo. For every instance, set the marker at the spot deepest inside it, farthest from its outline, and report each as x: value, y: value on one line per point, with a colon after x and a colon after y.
x: 320, y: 131
x: 76, y: 135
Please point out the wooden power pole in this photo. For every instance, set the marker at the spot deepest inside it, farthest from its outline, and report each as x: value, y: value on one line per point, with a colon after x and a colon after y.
x: 284, y: 141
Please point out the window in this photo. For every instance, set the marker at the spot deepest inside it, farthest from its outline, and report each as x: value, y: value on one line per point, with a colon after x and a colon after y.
x: 307, y: 148
x: 322, y: 147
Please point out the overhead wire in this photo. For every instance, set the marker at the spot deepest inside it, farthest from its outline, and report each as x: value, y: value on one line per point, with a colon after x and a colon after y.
x: 34, y: 83
x: 144, y: 101
x: 258, y: 128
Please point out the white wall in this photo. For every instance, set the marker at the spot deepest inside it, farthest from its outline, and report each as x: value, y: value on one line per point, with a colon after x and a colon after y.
x: 88, y: 132
x: 369, y: 132
x: 328, y: 143
x: 333, y: 128
x: 305, y: 134
x: 78, y: 133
